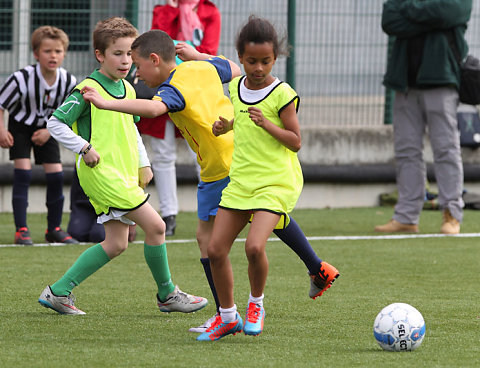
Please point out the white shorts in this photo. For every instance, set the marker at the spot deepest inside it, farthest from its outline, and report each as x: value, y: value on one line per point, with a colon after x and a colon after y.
x: 115, y: 215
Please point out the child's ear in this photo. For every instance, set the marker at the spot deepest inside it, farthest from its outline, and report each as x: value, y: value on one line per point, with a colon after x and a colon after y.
x: 99, y: 56
x: 35, y: 55
x: 155, y: 58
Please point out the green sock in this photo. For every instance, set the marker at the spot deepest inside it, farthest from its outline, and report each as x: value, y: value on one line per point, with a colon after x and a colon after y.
x: 156, y: 257
x: 86, y: 264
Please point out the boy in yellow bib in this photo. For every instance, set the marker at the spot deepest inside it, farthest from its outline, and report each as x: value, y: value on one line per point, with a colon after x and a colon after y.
x: 113, y: 169
x: 192, y: 93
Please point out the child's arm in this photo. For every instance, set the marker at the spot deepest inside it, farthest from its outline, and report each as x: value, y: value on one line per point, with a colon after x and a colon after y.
x: 73, y: 142
x: 221, y: 126
x: 290, y: 136
x: 145, y: 174
x: 140, y: 107
x: 187, y: 52
x: 6, y: 138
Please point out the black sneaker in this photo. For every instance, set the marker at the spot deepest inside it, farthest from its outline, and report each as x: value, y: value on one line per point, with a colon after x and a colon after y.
x: 59, y: 236
x: 171, y: 224
x: 22, y: 236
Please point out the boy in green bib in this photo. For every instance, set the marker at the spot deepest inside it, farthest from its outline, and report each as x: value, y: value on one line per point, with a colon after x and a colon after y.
x: 113, y: 170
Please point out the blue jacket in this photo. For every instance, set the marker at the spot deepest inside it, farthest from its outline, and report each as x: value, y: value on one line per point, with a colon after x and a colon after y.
x: 429, y: 21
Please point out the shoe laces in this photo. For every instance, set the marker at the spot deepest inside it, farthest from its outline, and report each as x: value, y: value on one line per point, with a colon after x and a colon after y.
x: 211, y: 320
x: 253, y: 313
x: 71, y: 299
x: 180, y: 297
x: 217, y: 322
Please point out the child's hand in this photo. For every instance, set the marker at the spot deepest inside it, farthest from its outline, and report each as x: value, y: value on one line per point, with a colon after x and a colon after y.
x: 257, y: 116
x: 90, y: 94
x: 145, y: 175
x: 6, y: 138
x: 221, y: 126
x: 91, y: 158
x: 186, y: 52
x: 40, y: 137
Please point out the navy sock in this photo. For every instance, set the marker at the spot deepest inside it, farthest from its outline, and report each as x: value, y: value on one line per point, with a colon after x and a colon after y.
x: 294, y: 237
x: 54, y: 199
x: 21, y: 182
x: 208, y: 273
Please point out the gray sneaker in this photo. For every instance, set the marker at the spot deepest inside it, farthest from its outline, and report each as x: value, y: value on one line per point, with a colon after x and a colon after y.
x: 60, y: 304
x: 203, y: 328
x: 178, y: 301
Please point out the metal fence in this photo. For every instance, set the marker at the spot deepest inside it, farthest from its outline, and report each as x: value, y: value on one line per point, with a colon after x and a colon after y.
x: 340, y: 49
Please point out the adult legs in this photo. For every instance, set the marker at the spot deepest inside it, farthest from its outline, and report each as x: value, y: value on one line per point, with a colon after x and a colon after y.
x: 441, y: 110
x: 409, y: 128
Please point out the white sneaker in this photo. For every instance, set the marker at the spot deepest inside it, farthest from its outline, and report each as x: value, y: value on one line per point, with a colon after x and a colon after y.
x: 203, y: 328
x: 178, y: 301
x: 60, y: 304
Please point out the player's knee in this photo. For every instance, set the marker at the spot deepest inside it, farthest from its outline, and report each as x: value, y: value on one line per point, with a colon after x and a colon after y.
x: 114, y: 249
x: 155, y: 229
x: 254, y: 250
x: 215, y: 252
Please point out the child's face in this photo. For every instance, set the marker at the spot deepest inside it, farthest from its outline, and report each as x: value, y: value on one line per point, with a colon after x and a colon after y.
x: 115, y: 63
x: 148, y: 69
x: 258, y: 61
x: 50, y: 55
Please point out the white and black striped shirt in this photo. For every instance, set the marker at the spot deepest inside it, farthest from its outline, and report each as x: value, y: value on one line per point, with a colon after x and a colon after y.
x: 29, y: 99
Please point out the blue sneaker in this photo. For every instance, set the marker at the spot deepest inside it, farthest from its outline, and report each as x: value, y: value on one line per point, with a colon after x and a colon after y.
x: 254, y: 321
x: 219, y: 329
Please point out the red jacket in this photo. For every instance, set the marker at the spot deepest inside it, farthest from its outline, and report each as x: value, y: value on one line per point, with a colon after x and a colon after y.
x: 166, y: 18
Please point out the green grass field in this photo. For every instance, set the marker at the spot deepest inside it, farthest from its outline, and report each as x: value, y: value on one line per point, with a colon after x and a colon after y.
x: 123, y: 327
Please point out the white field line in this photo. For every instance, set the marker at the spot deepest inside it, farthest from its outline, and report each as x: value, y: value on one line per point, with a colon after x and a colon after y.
x: 338, y: 237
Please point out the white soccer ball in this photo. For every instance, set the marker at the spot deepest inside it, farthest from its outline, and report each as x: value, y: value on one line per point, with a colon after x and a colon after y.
x: 399, y: 327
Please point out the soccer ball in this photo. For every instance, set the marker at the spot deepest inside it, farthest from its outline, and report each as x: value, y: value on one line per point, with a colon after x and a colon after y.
x: 399, y: 327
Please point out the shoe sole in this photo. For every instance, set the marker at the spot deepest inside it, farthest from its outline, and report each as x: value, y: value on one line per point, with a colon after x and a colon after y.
x: 252, y: 333
x: 197, y: 330
x: 173, y: 311
x: 46, y: 304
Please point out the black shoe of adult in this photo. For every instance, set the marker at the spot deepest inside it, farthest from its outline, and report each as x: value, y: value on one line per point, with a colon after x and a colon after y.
x: 171, y: 224
x: 59, y: 236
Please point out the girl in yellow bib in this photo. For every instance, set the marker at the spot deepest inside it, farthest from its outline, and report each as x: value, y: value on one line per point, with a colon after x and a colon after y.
x: 265, y: 176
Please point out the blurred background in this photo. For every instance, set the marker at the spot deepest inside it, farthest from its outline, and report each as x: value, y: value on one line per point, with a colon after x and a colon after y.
x: 338, y: 60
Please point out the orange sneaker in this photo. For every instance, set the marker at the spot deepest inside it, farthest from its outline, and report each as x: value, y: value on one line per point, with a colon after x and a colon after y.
x: 394, y: 226
x: 323, y: 280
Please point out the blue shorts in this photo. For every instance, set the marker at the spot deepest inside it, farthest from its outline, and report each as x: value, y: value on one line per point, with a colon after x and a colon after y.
x: 209, y: 196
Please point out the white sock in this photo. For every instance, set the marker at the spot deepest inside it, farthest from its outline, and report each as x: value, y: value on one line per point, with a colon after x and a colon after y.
x: 257, y: 300
x: 228, y: 314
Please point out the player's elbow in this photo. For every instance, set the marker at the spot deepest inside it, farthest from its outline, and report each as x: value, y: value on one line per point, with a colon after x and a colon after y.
x: 296, y: 147
x: 153, y: 110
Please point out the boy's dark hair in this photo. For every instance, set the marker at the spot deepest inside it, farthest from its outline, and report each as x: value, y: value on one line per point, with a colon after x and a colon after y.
x: 51, y: 32
x: 109, y: 30
x: 157, y: 42
x: 260, y: 30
